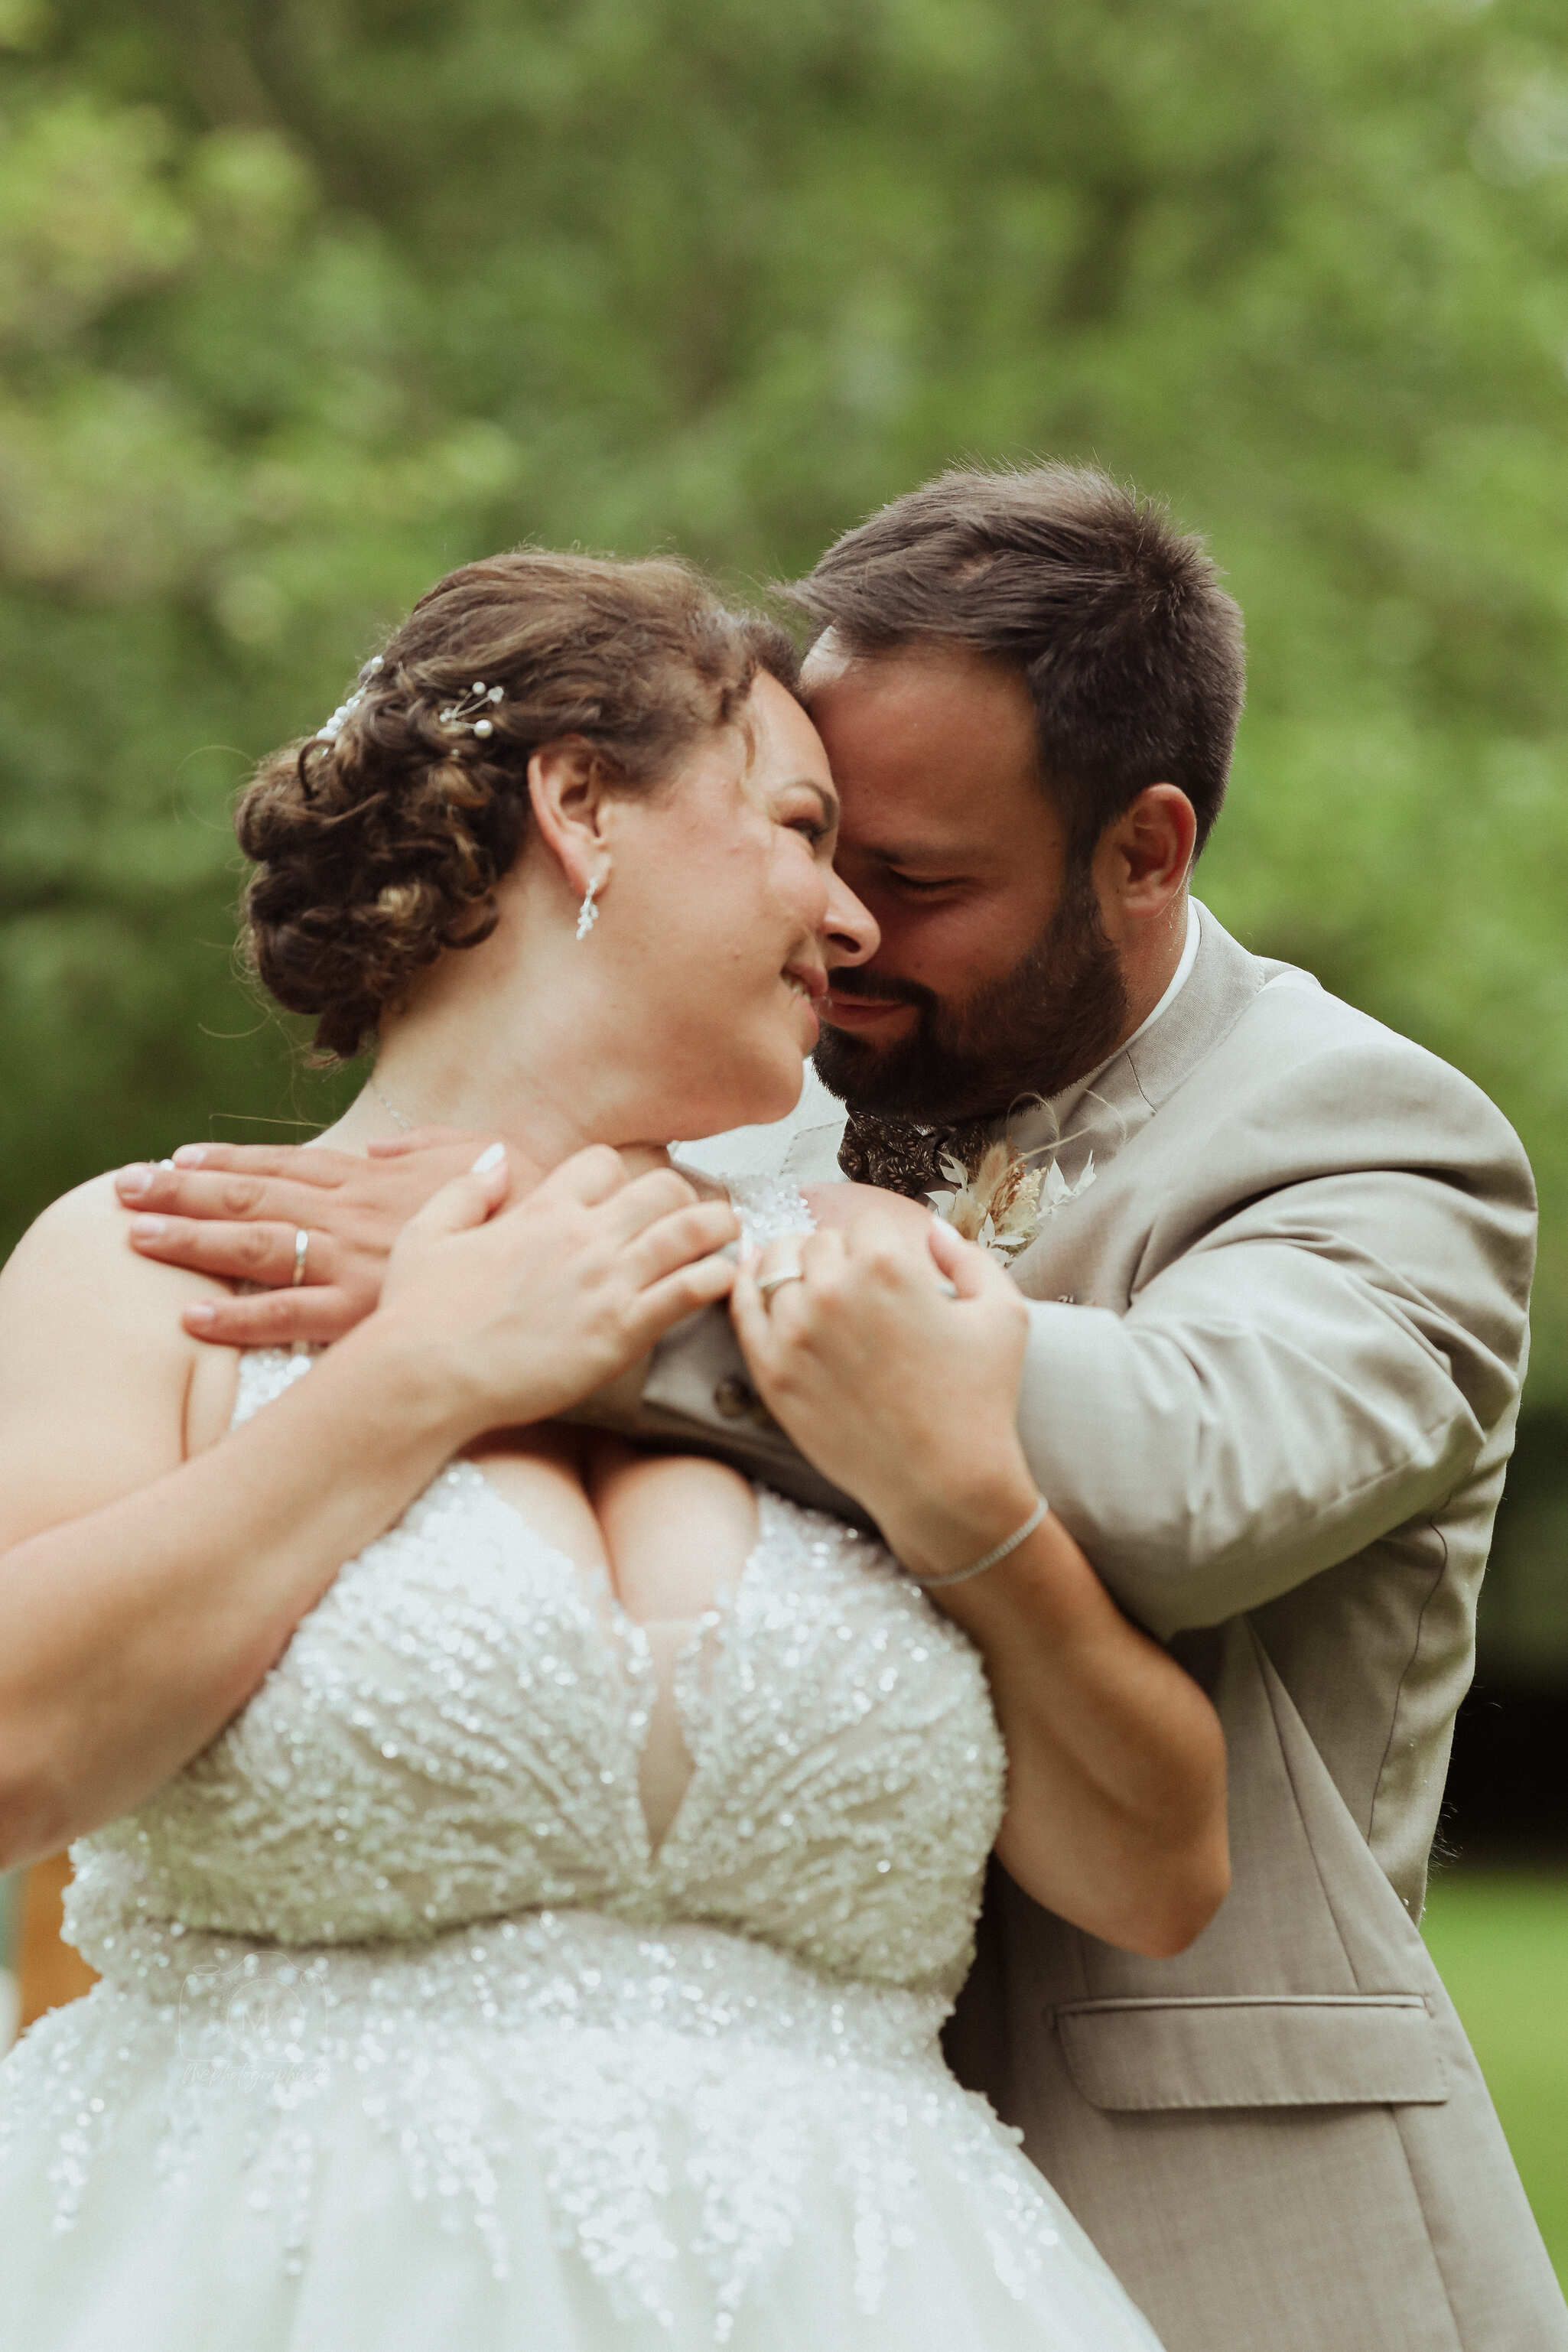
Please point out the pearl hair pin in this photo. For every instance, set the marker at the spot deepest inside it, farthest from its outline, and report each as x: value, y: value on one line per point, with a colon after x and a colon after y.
x: 346, y: 708
x: 472, y: 710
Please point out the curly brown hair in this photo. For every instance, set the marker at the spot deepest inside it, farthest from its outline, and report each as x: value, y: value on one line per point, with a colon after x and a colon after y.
x: 379, y: 847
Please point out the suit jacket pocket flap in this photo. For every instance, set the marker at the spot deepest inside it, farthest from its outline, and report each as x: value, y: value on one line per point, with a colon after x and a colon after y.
x: 1266, y: 2051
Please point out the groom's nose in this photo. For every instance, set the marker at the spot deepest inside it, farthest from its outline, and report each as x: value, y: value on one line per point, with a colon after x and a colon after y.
x: 850, y: 934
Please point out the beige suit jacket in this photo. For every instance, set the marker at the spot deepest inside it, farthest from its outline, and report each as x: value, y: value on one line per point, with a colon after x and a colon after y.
x: 1272, y: 1383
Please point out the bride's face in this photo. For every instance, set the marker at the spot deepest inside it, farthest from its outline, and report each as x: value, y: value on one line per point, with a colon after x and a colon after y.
x: 722, y: 918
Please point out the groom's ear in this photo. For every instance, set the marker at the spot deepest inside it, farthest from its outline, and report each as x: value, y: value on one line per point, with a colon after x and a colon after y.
x: 1144, y: 855
x: 569, y: 791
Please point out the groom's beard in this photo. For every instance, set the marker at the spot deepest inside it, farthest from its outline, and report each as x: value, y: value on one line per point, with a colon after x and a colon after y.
x: 1055, y: 1016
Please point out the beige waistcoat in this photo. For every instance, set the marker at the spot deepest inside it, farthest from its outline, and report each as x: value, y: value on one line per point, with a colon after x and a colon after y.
x: 1273, y: 1376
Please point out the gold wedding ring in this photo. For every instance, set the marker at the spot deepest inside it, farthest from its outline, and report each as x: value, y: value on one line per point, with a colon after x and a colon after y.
x: 772, y: 1282
x: 301, y: 1245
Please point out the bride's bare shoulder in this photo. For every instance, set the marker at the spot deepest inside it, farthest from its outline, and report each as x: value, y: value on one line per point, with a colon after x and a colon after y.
x: 837, y: 1205
x: 846, y: 1206
x: 101, y: 1385
x: 706, y: 1187
x: 75, y: 1263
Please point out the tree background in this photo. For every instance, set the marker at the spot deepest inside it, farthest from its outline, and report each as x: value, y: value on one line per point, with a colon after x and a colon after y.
x: 303, y: 301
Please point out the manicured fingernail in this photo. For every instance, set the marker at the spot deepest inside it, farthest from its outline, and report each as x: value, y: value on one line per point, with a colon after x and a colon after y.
x: 190, y: 1155
x: 491, y: 1157
x: 201, y: 1314
x: 133, y: 1182
x: 148, y: 1229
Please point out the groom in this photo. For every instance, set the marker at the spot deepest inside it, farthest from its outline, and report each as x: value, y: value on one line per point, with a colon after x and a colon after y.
x: 1277, y: 1336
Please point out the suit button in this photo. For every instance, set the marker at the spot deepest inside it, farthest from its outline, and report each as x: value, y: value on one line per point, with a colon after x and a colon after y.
x: 734, y: 1398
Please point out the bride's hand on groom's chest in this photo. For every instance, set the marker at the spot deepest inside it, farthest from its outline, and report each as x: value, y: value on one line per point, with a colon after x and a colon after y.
x: 891, y: 1351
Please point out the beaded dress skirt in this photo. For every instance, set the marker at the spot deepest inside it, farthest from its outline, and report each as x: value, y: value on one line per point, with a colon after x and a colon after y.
x: 413, y: 2033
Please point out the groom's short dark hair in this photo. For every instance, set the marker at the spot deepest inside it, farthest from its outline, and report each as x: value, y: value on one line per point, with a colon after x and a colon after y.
x: 1131, y: 648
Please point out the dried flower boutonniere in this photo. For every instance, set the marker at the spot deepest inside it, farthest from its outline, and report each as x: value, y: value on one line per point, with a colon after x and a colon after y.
x: 1003, y: 1202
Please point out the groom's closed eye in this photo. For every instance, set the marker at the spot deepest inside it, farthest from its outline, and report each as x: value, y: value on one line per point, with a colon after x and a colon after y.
x: 921, y: 886
x: 909, y: 869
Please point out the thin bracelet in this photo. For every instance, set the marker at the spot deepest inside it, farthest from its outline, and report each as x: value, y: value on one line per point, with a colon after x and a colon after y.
x: 990, y: 1559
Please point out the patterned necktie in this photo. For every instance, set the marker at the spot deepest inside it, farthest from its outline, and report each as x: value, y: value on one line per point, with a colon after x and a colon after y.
x: 901, y: 1157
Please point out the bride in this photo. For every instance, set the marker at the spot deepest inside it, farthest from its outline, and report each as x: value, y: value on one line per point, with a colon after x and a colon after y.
x: 527, y: 1878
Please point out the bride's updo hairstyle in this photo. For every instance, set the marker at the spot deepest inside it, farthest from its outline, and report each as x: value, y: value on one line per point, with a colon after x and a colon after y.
x: 379, y: 842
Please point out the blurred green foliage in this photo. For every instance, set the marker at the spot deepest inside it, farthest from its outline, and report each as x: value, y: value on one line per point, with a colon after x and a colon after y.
x: 1498, y: 1938
x: 302, y: 301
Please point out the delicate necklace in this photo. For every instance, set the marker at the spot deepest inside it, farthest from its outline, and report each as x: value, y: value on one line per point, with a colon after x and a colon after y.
x: 390, y: 1108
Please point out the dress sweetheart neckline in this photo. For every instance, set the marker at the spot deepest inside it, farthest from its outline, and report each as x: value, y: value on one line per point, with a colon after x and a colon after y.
x: 620, y: 1639
x: 623, y: 1645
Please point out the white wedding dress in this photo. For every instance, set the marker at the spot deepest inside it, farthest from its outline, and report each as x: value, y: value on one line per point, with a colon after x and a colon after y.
x: 413, y: 2037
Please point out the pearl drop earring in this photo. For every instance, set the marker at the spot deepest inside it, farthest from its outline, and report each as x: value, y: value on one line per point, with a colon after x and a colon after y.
x: 587, y: 913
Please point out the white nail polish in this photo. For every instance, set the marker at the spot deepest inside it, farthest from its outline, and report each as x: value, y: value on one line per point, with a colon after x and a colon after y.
x: 491, y: 1157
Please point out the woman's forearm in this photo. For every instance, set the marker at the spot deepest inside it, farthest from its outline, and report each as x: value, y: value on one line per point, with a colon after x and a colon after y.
x: 141, y: 1605
x: 131, y: 1634
x: 1116, y: 1790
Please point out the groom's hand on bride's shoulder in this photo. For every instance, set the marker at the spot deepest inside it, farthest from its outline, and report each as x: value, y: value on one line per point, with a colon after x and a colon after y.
x: 236, y: 1211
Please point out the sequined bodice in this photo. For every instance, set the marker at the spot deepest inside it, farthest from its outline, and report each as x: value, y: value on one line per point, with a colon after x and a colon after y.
x: 407, y: 2010
x: 454, y: 1732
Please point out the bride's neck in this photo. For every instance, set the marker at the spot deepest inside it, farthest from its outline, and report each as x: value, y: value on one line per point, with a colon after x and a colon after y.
x: 460, y: 1057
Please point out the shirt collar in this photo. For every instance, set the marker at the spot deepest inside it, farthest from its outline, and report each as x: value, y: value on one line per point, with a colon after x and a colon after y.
x: 1178, y: 979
